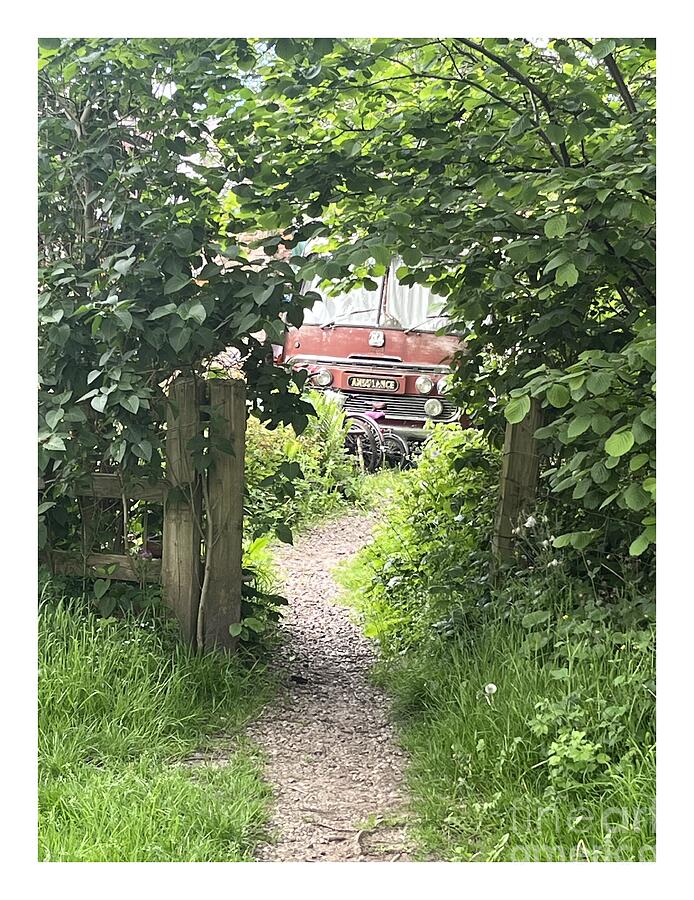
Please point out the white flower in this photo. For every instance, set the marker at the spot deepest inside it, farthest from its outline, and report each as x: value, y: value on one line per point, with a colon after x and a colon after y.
x: 530, y: 522
x: 490, y: 689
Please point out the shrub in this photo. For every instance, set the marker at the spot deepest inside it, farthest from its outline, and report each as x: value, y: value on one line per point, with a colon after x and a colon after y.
x: 291, y: 479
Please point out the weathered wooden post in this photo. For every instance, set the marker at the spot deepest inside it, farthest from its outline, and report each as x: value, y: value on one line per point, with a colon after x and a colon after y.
x: 181, y: 571
x: 225, y: 486
x: 519, y: 475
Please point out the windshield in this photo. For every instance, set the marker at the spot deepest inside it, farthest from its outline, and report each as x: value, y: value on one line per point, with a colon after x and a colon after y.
x: 405, y: 308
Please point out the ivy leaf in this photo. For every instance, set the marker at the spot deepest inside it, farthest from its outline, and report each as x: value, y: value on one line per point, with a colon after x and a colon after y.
x: 93, y: 375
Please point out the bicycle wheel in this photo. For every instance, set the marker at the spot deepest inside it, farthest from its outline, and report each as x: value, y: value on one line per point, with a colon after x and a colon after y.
x: 365, y: 441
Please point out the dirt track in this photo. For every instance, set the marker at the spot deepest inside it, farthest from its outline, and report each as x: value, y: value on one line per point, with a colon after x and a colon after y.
x: 332, y: 759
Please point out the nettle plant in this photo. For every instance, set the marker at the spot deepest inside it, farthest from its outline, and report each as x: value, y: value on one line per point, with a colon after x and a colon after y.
x: 141, y: 274
x: 602, y: 429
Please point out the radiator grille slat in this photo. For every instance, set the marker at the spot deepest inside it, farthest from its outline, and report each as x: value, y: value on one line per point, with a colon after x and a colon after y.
x: 399, y: 406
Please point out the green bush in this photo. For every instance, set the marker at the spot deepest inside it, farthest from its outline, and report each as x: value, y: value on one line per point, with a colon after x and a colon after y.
x: 527, y: 703
x: 292, y: 479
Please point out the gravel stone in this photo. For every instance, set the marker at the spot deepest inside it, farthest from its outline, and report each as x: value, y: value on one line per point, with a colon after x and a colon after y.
x: 332, y: 757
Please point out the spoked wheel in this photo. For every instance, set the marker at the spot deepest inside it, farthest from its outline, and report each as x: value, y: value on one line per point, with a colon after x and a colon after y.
x: 396, y: 450
x: 365, y: 441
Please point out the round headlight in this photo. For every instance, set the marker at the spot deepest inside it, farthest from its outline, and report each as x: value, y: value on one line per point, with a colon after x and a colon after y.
x: 433, y: 407
x: 443, y: 385
x: 424, y: 384
x: 323, y: 378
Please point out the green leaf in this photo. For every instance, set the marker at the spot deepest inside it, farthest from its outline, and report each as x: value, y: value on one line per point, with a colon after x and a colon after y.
x: 284, y: 534
x: 599, y: 472
x: 99, y: 402
x: 235, y: 629
x: 53, y: 417
x: 101, y: 585
x: 411, y: 256
x: 125, y: 318
x: 254, y: 624
x: 638, y: 461
x: 93, y: 375
x: 619, y: 443
x: 131, y: 403
x: 636, y: 498
x: 143, y: 450
x: 642, y: 542
x: 54, y: 443
x: 567, y: 274
x: 176, y: 283
x: 600, y: 424
x: 122, y: 266
x: 179, y: 337
x: 556, y: 227
x: 162, y: 311
x: 648, y: 417
x: 516, y: 410
x: 578, y: 425
x: 559, y: 396
x: 197, y: 312
x: 599, y: 382
x: 603, y: 48
x: 286, y: 48
x: 535, y: 618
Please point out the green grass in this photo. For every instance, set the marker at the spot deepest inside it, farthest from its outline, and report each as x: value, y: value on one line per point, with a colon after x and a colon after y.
x: 483, y: 781
x: 121, y: 705
x: 557, y: 763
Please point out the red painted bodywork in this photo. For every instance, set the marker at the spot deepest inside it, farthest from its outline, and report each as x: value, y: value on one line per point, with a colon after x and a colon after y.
x: 346, y: 352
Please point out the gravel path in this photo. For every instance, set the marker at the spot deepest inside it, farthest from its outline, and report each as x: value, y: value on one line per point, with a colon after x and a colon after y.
x: 332, y: 758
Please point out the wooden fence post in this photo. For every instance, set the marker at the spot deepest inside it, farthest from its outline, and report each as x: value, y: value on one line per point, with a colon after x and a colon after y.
x: 225, y: 483
x: 182, y: 534
x: 519, y: 475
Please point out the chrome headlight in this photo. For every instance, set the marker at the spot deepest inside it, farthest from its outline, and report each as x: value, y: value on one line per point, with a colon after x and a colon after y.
x: 324, y: 378
x: 424, y: 384
x: 433, y: 407
x: 444, y: 384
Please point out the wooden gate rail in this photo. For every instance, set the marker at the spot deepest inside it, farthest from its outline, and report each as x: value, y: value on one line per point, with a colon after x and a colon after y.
x: 180, y: 570
x: 128, y: 568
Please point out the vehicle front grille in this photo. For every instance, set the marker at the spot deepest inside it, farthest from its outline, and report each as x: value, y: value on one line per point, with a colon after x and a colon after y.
x: 399, y: 406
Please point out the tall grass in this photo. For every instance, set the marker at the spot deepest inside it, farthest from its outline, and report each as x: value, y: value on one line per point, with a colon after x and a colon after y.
x: 546, y: 768
x: 121, y: 705
x: 527, y: 704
